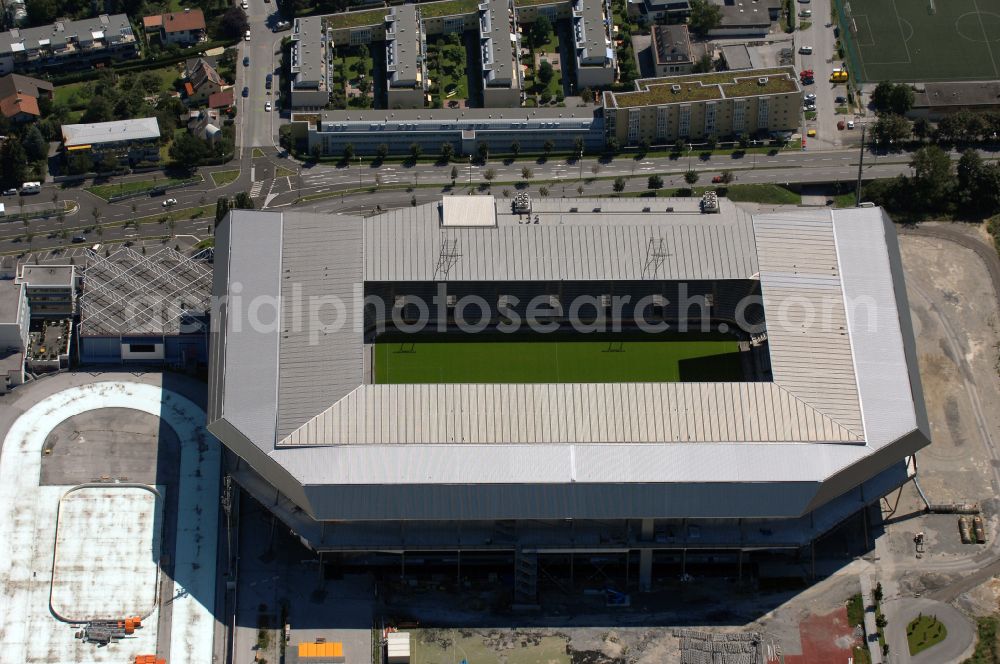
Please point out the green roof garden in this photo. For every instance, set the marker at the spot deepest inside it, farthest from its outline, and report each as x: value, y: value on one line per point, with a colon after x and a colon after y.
x: 356, y: 19
x: 536, y: 3
x: 699, y: 87
x: 448, y: 8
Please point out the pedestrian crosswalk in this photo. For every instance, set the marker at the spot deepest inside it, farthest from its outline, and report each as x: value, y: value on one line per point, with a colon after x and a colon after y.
x: 255, y: 188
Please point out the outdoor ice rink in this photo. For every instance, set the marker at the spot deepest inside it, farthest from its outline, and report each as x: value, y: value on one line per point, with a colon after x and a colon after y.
x: 93, y: 551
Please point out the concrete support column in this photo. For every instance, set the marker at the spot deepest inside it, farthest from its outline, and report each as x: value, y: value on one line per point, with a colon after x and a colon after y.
x: 646, y: 557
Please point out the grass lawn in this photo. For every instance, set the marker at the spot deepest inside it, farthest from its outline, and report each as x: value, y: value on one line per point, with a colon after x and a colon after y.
x: 257, y: 153
x: 222, y: 178
x: 106, y: 191
x: 282, y: 172
x: 73, y: 95
x: 535, y: 359
x: 987, y: 645
x: 768, y: 194
x: 924, y: 632
x: 449, y: 78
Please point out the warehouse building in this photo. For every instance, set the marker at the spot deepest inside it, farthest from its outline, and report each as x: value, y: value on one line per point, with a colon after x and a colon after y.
x: 812, y: 427
x: 700, y: 106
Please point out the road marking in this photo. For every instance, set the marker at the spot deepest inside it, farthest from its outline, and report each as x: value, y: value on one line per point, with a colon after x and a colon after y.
x: 255, y: 189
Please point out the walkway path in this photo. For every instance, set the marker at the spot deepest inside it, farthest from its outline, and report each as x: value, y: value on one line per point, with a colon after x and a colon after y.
x: 956, y: 648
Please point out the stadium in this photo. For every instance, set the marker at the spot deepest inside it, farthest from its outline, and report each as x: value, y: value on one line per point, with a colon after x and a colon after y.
x: 516, y: 380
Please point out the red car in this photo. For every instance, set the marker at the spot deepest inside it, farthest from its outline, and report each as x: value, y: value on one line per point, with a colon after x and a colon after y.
x: 717, y: 179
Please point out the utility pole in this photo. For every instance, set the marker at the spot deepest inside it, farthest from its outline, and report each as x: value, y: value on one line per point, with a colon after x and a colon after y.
x: 470, y: 171
x: 861, y: 164
x: 359, y: 172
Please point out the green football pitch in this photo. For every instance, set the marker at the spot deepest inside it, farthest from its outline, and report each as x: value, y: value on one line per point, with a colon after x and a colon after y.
x: 921, y: 40
x: 530, y: 360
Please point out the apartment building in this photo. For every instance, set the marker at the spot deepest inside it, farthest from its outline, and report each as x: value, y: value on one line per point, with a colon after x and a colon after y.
x: 68, y: 44
x: 701, y: 106
x: 129, y: 141
x: 593, y: 49
x: 310, y: 84
x: 500, y: 45
x: 464, y: 129
x: 405, y: 70
x: 672, y: 52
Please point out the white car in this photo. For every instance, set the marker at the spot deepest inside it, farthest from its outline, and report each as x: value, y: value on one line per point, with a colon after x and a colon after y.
x: 244, y: 5
x: 809, y: 106
x: 810, y: 97
x: 247, y: 36
x: 170, y: 202
x: 806, y: 50
x: 267, y: 106
x: 850, y: 124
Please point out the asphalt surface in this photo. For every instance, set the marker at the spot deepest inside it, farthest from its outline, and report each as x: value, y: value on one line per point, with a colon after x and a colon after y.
x: 960, y: 639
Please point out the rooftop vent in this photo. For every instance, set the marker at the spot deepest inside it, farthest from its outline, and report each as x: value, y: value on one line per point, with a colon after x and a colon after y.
x: 675, y: 88
x: 762, y: 80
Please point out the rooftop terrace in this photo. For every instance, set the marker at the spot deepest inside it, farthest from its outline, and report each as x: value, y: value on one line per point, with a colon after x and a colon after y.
x: 699, y: 87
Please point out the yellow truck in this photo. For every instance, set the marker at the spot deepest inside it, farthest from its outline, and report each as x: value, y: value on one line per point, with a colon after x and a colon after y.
x: 839, y: 76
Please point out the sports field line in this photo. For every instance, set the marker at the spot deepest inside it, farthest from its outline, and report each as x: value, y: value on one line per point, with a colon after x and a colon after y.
x: 871, y: 33
x: 899, y: 23
x: 986, y: 37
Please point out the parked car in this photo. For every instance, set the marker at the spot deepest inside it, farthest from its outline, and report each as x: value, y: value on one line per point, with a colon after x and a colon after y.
x: 246, y: 91
x: 10, y: 192
x: 717, y: 179
x: 267, y: 106
x: 169, y: 202
x: 247, y: 36
x: 841, y: 125
x: 269, y: 81
x: 79, y: 239
x: 246, y: 61
x: 810, y: 107
x: 850, y: 124
x: 806, y: 13
x: 806, y: 50
x: 841, y: 100
x: 245, y: 5
x: 811, y: 133
x: 811, y: 97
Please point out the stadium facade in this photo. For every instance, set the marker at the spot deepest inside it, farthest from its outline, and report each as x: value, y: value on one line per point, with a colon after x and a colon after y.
x: 823, y: 423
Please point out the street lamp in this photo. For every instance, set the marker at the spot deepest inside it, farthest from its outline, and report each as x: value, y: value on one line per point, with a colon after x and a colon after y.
x: 470, y: 171
x: 359, y: 172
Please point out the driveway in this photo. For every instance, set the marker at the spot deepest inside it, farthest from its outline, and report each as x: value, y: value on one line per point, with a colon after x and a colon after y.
x: 955, y: 648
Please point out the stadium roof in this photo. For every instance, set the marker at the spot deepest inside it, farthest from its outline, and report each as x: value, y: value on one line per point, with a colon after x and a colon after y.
x: 844, y: 385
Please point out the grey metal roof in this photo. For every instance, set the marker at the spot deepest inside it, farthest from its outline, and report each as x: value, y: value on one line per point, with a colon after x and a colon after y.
x: 111, y: 132
x: 842, y: 391
x: 320, y: 261
x: 407, y: 244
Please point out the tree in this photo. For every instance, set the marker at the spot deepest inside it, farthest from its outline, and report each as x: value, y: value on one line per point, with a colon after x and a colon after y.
x: 587, y: 96
x: 489, y: 174
x: 691, y: 177
x: 744, y: 141
x: 233, y: 23
x: 98, y: 110
x: 880, y: 96
x: 578, y: 147
x: 515, y: 148
x: 704, y: 17
x: 619, y: 184
x: 526, y: 173
x: 680, y: 145
x: 415, y: 151
x: 543, y: 191
x: 35, y: 144
x: 901, y: 99
x: 107, y: 163
x: 242, y: 201
x: 545, y: 72
x: 643, y: 146
x: 978, y: 184
x: 221, y: 209
x: 188, y: 150
x: 880, y: 621
x: 921, y: 128
x: 703, y: 65
x: 447, y: 151
x: 612, y: 145
x: 932, y: 177
x: 43, y: 11
x: 655, y: 182
x: 13, y: 163
x: 878, y: 592
x: 382, y: 151
x: 595, y: 169
x: 349, y: 152
x: 891, y: 128
x: 541, y: 31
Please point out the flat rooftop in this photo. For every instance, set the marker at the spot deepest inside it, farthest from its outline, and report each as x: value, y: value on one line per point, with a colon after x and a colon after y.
x: 403, y: 47
x: 112, y: 28
x: 700, y: 87
x: 309, y: 53
x: 498, y: 49
x: 971, y: 93
x: 76, y: 135
x: 10, y: 300
x: 61, y: 276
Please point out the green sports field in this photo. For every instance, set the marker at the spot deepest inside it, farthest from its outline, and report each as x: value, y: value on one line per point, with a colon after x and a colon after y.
x: 535, y: 359
x: 921, y: 40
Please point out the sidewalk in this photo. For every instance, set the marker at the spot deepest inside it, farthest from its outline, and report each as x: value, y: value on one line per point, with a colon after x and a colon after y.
x: 871, y: 629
